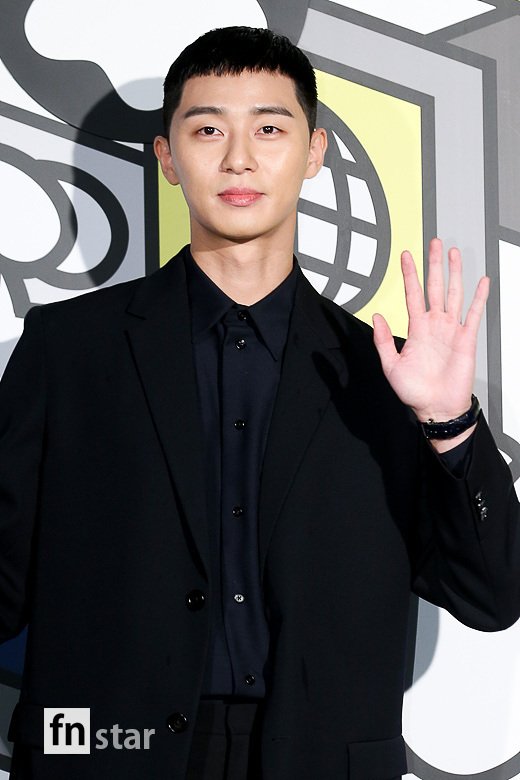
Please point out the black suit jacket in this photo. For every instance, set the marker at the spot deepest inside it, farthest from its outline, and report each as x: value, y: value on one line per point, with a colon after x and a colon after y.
x: 103, y: 533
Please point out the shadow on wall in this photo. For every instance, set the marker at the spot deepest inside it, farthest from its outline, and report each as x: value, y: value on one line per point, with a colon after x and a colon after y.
x: 6, y: 349
x: 423, y: 634
x: 286, y: 18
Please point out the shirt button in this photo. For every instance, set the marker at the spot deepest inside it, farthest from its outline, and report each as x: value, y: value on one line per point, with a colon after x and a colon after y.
x: 249, y: 679
x: 238, y: 511
x: 242, y: 314
x: 240, y: 343
x: 240, y: 425
x: 239, y: 598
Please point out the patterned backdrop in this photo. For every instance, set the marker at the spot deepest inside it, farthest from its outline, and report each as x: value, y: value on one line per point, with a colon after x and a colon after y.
x: 421, y: 101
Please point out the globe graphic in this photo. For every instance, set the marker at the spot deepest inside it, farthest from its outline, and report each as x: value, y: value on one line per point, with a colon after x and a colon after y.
x: 343, y: 226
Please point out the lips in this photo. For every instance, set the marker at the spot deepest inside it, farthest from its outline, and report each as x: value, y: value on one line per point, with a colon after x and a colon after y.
x: 239, y: 196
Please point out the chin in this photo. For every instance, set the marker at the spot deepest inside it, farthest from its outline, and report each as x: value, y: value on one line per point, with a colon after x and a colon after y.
x: 243, y: 233
x: 243, y: 238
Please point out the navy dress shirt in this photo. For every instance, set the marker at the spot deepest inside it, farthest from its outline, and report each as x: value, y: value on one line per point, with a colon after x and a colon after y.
x: 238, y: 353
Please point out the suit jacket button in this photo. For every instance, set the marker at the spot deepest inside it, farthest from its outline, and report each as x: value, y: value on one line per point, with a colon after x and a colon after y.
x: 177, y: 722
x: 195, y: 600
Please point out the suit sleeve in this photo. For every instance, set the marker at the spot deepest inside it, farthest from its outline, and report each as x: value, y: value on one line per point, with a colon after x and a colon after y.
x: 467, y: 554
x: 22, y: 423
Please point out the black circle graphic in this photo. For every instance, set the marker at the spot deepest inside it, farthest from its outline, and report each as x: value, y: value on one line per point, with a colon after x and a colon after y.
x: 506, y: 771
x: 48, y: 175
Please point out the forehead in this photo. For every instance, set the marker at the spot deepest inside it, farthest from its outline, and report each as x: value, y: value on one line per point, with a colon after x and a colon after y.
x: 242, y: 91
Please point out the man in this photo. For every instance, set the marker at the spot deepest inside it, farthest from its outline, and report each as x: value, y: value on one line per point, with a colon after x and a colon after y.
x: 214, y: 501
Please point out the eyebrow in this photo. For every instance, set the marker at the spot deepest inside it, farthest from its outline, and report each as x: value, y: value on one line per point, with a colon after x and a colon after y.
x: 281, y: 110
x: 256, y: 111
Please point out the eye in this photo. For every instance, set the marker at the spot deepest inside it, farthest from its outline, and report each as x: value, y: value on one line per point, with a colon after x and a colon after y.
x: 208, y: 130
x: 269, y: 130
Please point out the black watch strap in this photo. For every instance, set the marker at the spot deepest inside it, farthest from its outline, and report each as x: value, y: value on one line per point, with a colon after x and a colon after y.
x: 452, y: 428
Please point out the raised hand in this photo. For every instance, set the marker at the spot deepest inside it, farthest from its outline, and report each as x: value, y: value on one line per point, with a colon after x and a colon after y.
x: 435, y: 371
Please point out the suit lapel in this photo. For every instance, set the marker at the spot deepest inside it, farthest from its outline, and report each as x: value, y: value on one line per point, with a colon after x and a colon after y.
x: 309, y: 370
x: 159, y: 332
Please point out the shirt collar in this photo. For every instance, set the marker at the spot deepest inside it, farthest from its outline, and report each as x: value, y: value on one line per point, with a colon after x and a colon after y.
x: 207, y: 301
x: 270, y: 315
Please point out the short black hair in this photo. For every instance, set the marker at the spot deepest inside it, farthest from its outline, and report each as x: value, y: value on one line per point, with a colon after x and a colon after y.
x: 232, y: 50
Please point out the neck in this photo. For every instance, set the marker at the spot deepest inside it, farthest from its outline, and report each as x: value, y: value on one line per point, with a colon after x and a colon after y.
x: 245, y: 272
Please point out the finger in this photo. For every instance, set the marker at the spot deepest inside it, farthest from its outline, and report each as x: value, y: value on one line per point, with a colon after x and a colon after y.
x: 412, y: 286
x: 435, y: 285
x: 478, y: 304
x: 384, y: 342
x: 455, y: 298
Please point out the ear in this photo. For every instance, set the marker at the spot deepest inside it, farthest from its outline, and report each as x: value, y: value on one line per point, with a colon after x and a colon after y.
x: 317, y: 149
x: 161, y: 147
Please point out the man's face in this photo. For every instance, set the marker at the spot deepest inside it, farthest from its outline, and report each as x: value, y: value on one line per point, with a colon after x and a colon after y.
x: 239, y: 147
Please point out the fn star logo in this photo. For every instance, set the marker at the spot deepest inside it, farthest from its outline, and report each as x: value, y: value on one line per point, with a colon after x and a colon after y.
x: 66, y: 730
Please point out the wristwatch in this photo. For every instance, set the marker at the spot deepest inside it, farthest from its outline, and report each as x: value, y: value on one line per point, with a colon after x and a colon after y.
x: 452, y: 428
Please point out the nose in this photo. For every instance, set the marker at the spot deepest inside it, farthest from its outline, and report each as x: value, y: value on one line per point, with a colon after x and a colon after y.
x: 238, y: 156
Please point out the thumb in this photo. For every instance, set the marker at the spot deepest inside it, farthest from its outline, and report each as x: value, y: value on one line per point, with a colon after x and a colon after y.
x: 384, y: 343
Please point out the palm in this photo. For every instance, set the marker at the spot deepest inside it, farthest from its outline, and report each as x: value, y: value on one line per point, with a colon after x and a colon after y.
x: 435, y: 370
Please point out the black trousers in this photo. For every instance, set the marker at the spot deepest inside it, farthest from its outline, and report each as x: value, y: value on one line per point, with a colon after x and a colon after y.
x: 226, y: 743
